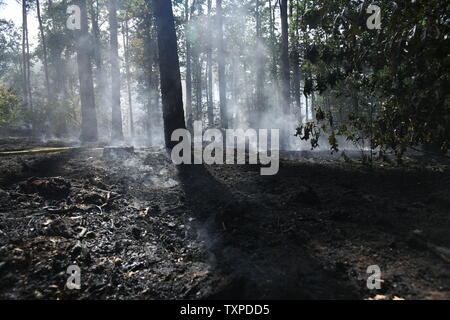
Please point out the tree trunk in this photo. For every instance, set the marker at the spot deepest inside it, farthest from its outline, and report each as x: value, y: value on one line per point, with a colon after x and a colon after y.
x: 116, y: 119
x: 197, y: 66
x: 260, y: 108
x: 100, y: 74
x: 307, y: 109
x: 127, y: 69
x: 296, y: 64
x: 44, y: 49
x: 210, y: 71
x: 89, y: 131
x: 188, y: 68
x: 285, y: 76
x: 169, y: 69
x: 96, y: 32
x: 221, y: 67
x: 313, y: 106
x: 26, y: 70
x: 272, y: 41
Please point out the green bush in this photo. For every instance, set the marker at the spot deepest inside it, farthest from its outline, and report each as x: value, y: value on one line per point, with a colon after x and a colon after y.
x: 10, y: 103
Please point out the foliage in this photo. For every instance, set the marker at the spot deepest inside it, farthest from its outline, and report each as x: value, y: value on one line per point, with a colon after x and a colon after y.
x: 9, y: 105
x: 401, y: 72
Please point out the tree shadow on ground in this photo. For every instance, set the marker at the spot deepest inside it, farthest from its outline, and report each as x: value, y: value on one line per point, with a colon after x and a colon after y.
x: 255, y: 264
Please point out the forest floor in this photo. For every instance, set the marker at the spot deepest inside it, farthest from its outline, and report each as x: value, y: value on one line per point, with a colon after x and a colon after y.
x: 140, y: 227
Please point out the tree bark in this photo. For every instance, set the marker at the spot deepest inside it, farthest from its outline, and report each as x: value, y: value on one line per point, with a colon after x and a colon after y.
x: 260, y: 107
x: 197, y: 66
x: 307, y: 109
x: 26, y: 70
x: 89, y: 131
x: 285, y: 74
x: 169, y: 68
x: 296, y: 62
x: 221, y: 67
x: 188, y: 68
x: 116, y: 119
x: 100, y: 73
x: 44, y: 49
x: 210, y: 71
x: 127, y: 70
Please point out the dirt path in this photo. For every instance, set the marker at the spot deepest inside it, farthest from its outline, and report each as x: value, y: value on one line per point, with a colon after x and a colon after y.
x: 139, y: 227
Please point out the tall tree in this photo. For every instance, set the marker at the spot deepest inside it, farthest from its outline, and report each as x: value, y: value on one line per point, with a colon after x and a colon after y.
x: 188, y: 66
x: 221, y: 66
x: 125, y: 35
x: 44, y: 49
x: 259, y: 68
x: 296, y: 56
x: 273, y: 42
x: 116, y: 119
x: 196, y: 58
x: 285, y: 76
x: 89, y: 131
x: 100, y: 73
x: 210, y: 70
x: 26, y: 69
x: 169, y: 68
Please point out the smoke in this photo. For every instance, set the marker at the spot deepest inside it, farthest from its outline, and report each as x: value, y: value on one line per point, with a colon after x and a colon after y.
x: 245, y: 56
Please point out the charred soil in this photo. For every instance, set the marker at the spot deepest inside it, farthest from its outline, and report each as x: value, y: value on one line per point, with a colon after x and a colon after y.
x: 141, y: 228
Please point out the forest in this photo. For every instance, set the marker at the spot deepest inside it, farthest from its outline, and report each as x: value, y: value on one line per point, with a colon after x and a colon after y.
x: 224, y: 149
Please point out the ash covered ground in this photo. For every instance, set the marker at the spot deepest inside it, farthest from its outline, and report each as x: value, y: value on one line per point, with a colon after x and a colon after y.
x: 140, y: 227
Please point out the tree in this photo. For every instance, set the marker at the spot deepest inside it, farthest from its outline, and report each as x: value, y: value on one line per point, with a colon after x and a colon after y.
x: 296, y: 55
x: 10, y: 53
x: 210, y: 70
x: 285, y: 73
x: 100, y: 74
x: 26, y: 69
x: 89, y: 131
x: 125, y: 34
x: 221, y: 66
x: 388, y: 85
x: 169, y: 68
x: 44, y: 49
x: 116, y: 119
x: 196, y: 59
x: 188, y: 66
x: 259, y: 60
x: 9, y: 105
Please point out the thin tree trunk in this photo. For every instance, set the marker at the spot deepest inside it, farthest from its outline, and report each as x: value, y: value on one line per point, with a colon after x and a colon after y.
x: 188, y: 68
x: 307, y: 109
x: 210, y: 71
x: 313, y: 106
x: 221, y: 67
x: 24, y: 53
x: 127, y: 69
x: 169, y: 69
x: 197, y: 66
x: 100, y: 76
x: 89, y: 131
x: 44, y: 48
x: 296, y: 61
x: 30, y: 96
x: 26, y: 59
x: 285, y: 75
x: 260, y: 108
x: 152, y: 86
x: 272, y: 41
x: 116, y: 119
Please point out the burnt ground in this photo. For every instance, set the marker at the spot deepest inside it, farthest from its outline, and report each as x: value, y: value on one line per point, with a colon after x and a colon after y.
x: 141, y: 228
